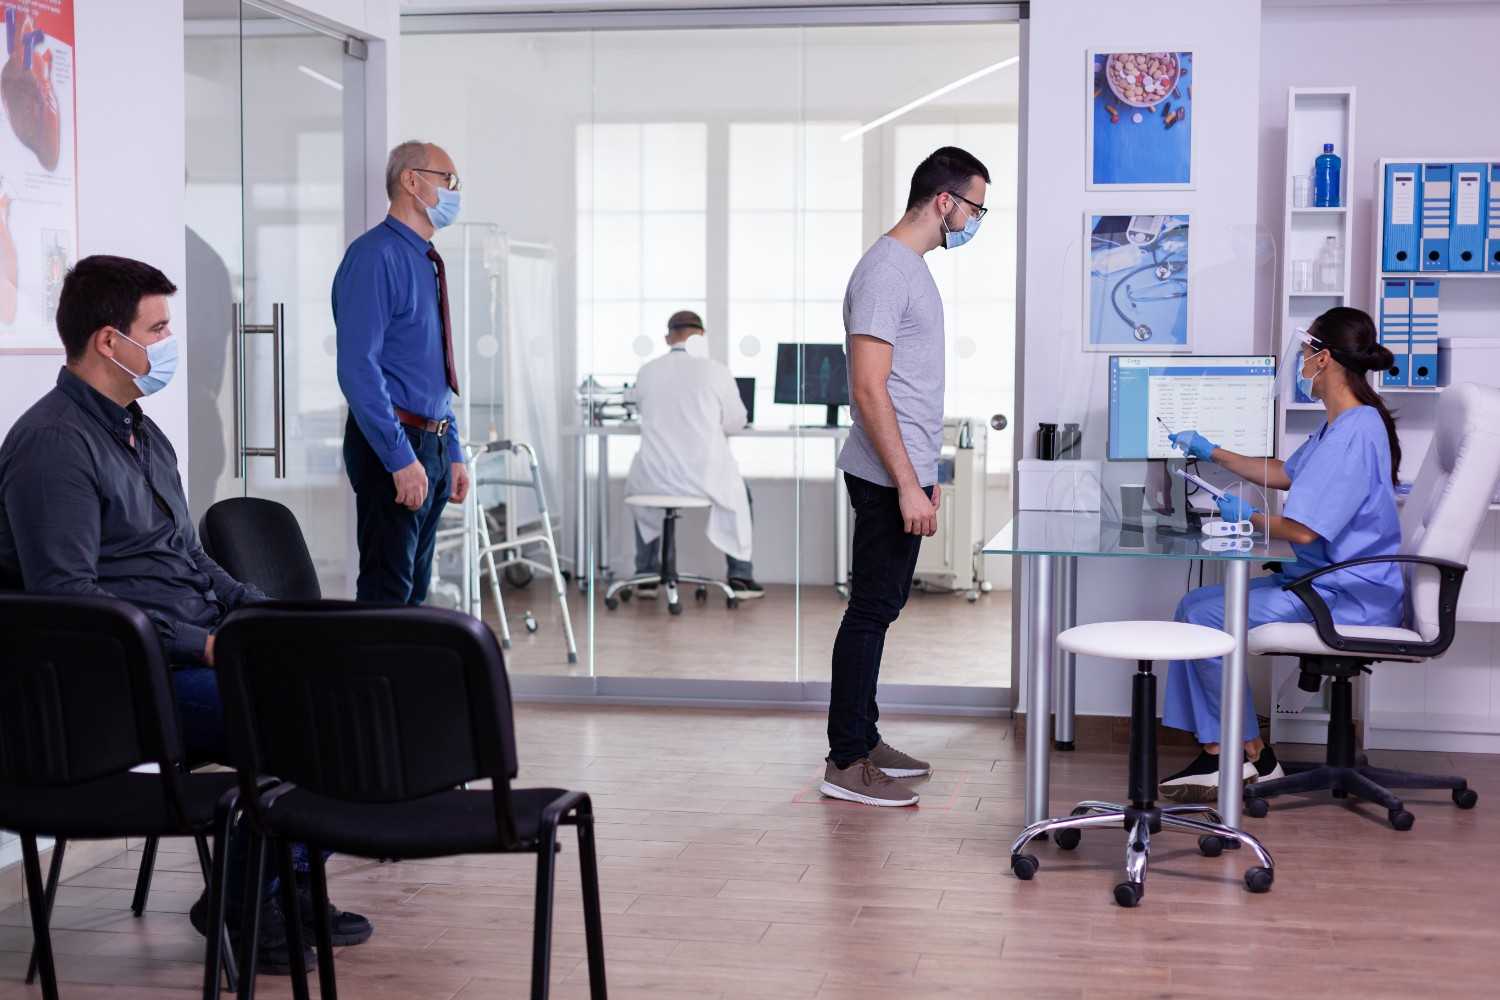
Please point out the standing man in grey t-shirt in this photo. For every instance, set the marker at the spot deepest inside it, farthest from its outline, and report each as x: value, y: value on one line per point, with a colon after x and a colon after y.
x: 893, y: 323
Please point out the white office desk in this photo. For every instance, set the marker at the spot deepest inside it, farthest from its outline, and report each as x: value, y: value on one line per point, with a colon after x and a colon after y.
x: 601, y: 433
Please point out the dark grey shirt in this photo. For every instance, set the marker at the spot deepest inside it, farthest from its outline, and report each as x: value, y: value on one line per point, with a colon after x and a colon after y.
x: 91, y: 503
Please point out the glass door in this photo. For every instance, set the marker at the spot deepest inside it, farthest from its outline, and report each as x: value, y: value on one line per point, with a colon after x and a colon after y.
x: 275, y: 183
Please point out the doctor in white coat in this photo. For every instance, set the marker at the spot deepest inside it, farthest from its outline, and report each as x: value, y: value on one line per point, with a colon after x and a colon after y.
x: 688, y: 404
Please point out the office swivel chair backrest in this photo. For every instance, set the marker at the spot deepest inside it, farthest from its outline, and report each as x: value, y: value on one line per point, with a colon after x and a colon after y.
x: 259, y: 541
x: 1452, y: 493
x: 364, y: 703
x: 83, y: 695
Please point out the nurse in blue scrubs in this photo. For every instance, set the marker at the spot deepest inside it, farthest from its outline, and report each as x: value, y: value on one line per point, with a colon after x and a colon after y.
x: 1340, y: 505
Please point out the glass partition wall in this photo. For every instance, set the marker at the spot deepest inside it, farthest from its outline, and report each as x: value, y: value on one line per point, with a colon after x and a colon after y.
x: 613, y: 178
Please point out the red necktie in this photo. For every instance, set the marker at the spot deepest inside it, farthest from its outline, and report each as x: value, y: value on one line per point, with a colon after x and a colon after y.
x: 442, y: 279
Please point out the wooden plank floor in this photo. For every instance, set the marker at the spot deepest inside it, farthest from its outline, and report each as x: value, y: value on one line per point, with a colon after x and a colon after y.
x: 725, y: 876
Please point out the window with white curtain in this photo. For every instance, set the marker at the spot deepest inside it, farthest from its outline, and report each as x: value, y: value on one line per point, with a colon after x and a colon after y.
x: 642, y: 210
x: 977, y: 281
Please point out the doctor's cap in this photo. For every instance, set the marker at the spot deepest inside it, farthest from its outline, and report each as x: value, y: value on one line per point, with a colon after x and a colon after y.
x: 684, y: 320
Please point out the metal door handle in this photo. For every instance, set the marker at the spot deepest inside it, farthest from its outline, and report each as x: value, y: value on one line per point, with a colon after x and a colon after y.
x: 276, y: 330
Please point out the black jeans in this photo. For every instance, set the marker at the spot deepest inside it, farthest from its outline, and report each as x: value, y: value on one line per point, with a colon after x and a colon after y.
x: 395, y: 544
x: 885, y: 557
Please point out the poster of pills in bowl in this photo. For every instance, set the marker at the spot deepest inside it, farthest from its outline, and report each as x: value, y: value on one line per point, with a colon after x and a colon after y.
x: 38, y: 172
x: 1140, y: 122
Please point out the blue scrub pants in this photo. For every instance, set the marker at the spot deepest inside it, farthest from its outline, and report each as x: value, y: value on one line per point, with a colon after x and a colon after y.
x: 1194, y: 687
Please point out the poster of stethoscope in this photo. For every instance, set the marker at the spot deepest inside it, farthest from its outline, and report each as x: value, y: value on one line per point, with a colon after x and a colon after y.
x: 1136, y: 283
x: 1140, y: 121
x: 38, y: 172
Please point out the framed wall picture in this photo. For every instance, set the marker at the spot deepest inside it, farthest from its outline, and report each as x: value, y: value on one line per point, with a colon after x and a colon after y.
x: 1136, y: 283
x: 1140, y: 121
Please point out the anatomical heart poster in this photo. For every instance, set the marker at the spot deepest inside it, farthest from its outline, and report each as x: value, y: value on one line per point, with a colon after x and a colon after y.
x: 38, y: 171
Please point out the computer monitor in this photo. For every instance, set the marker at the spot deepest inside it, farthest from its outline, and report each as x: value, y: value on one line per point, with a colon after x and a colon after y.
x: 824, y: 376
x: 746, y: 386
x: 1226, y: 399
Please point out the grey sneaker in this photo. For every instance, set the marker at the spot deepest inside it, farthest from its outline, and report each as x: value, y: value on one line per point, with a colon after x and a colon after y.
x: 897, y: 764
x: 866, y: 784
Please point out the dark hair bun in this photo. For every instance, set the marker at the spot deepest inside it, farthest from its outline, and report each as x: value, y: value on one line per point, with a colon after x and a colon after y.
x: 1376, y: 358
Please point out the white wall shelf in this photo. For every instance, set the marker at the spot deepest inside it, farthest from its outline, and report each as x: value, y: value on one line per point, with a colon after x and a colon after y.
x: 1442, y: 275
x: 1314, y: 115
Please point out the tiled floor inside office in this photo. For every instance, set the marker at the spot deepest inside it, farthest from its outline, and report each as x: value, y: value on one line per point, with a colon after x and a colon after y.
x: 726, y: 877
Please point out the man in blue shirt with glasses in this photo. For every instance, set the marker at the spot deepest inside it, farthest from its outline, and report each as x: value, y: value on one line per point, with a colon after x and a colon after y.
x: 396, y: 367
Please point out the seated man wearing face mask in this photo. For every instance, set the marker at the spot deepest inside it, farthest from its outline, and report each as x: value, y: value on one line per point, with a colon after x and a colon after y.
x: 91, y: 503
x: 688, y: 404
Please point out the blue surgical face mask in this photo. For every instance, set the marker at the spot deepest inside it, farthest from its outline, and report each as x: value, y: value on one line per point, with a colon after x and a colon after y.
x: 445, y: 212
x: 953, y: 239
x: 1305, y: 384
x: 161, y: 357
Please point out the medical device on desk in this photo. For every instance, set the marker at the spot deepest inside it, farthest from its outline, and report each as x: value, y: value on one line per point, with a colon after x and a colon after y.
x: 607, y: 399
x: 952, y: 560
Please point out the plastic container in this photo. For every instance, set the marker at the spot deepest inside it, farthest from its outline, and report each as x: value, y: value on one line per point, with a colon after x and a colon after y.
x: 1326, y: 185
x: 1301, y: 191
x: 1331, y: 265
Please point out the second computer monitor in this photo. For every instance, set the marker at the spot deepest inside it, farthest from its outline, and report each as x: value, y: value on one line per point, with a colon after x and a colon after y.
x: 1228, y: 400
x: 823, y: 381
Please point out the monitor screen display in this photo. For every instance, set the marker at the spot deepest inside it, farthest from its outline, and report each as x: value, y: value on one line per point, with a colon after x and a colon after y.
x: 1228, y: 400
x: 825, y: 374
x: 746, y: 386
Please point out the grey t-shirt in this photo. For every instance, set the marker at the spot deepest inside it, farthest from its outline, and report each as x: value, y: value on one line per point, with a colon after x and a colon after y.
x: 892, y: 297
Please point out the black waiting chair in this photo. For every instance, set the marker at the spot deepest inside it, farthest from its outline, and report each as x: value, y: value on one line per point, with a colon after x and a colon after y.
x: 371, y: 718
x: 84, y: 698
x: 256, y: 541
x: 1439, y: 526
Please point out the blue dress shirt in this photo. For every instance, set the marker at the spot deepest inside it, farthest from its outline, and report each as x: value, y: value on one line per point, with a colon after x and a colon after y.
x: 390, y: 340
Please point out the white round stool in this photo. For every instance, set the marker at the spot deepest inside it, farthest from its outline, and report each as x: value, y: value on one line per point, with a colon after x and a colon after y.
x: 1143, y: 642
x: 666, y: 575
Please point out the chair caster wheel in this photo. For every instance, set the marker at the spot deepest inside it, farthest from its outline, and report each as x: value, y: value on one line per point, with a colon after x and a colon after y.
x: 1210, y: 846
x: 1465, y: 798
x: 1067, y: 840
x: 1128, y: 894
x: 1259, y: 879
x: 626, y: 594
x: 612, y: 603
x: 701, y: 595
x: 1401, y: 819
x: 1257, y: 808
x: 1024, y: 866
x: 675, y: 607
x: 731, y: 603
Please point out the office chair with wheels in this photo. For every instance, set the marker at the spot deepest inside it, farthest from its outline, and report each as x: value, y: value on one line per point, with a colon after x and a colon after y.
x: 371, y: 718
x: 84, y: 698
x: 666, y: 575
x: 1439, y: 525
x: 259, y: 542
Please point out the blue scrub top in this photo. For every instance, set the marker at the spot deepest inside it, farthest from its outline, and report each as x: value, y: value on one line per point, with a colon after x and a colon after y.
x: 1341, y: 489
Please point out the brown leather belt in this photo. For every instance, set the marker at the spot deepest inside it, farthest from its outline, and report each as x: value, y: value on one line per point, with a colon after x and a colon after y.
x: 409, y: 419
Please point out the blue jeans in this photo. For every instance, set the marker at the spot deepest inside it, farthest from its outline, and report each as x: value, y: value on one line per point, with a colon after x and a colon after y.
x: 395, y: 544
x: 884, y: 559
x: 201, y: 715
x: 648, y: 556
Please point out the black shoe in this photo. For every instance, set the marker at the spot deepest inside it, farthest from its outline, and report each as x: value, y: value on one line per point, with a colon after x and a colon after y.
x: 746, y: 590
x: 348, y: 928
x: 273, y: 957
x: 1199, y: 781
x: 1267, y: 767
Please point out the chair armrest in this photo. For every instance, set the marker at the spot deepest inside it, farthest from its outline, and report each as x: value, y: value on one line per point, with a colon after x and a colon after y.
x: 1451, y: 578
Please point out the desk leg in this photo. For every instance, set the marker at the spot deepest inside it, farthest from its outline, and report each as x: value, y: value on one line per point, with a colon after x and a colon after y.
x: 581, y: 513
x: 604, y: 573
x: 1232, y: 698
x: 1065, y: 702
x: 840, y: 530
x: 1039, y: 686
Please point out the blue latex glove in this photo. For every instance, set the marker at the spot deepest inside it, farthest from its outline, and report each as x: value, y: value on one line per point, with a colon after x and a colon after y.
x: 1233, y: 508
x: 1194, y: 444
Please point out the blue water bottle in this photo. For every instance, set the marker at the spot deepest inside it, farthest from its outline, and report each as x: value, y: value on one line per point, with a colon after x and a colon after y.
x: 1326, y: 179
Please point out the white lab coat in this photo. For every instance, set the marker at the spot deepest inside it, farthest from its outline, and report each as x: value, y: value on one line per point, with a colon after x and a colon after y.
x: 688, y: 404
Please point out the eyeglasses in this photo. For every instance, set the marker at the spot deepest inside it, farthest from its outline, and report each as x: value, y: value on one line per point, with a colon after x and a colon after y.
x: 451, y: 180
x: 979, y: 210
